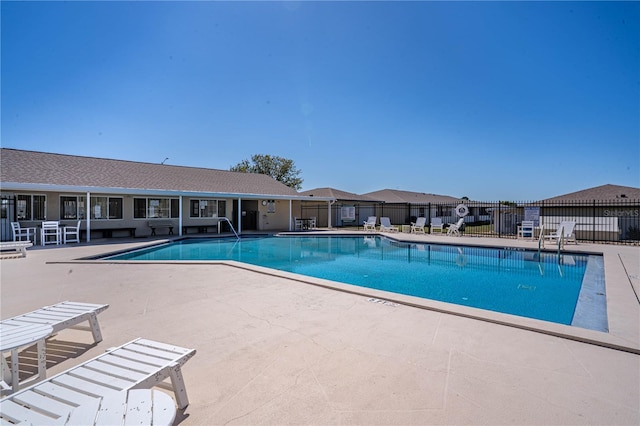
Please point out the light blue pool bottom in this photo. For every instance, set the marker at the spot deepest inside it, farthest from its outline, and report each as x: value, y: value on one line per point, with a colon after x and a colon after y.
x: 512, y: 281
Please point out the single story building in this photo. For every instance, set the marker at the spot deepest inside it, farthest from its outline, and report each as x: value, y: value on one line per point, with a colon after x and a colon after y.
x: 118, y: 197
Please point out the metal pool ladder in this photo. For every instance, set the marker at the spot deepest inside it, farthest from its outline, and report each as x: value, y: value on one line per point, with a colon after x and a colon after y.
x: 230, y: 226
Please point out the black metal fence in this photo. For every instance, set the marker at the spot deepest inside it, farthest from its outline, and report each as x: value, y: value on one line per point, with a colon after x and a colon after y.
x: 614, y: 221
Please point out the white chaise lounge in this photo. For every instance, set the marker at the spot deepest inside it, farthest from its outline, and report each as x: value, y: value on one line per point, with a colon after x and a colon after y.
x: 60, y: 316
x: 564, y: 233
x: 79, y: 393
x: 418, y: 226
x: 436, y: 225
x: 14, y: 248
x: 370, y: 223
x: 386, y: 226
x: 454, y: 228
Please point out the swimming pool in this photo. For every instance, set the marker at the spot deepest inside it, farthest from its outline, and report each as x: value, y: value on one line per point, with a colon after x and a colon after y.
x: 507, y: 280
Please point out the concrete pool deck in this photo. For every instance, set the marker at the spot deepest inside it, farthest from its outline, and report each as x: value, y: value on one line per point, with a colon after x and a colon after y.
x: 273, y: 350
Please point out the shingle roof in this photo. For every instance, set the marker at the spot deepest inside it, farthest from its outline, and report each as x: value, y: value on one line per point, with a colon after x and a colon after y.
x: 600, y: 193
x: 397, y: 196
x: 338, y: 194
x: 30, y: 167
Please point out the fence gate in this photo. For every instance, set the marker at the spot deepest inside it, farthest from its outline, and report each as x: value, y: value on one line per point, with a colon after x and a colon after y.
x: 7, y: 215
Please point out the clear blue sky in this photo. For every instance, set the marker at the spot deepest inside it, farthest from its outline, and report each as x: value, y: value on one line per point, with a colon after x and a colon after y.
x: 490, y: 100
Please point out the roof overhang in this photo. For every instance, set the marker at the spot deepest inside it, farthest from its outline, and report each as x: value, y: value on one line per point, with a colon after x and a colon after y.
x: 35, y: 187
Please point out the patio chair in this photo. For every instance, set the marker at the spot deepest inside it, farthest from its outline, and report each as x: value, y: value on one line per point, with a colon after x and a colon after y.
x: 77, y: 394
x: 22, y: 234
x: 526, y: 230
x: 370, y: 223
x: 454, y: 228
x: 71, y: 234
x: 297, y: 224
x: 386, y: 226
x: 436, y: 225
x: 418, y: 226
x: 565, y: 231
x: 50, y: 233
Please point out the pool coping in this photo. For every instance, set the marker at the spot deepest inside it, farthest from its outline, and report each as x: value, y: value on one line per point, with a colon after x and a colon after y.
x: 621, y: 299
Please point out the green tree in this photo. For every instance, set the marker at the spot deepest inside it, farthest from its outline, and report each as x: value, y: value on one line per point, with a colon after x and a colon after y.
x: 281, y: 169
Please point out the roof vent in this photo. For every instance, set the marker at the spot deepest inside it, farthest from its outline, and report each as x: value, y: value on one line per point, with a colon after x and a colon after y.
x: 623, y: 195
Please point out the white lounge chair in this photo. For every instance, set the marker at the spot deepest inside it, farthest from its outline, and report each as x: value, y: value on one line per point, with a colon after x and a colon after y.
x: 62, y: 315
x: 370, y: 223
x: 71, y: 234
x: 436, y: 225
x: 14, y: 248
x: 35, y: 327
x: 418, y: 226
x: 386, y: 226
x: 22, y: 234
x: 454, y: 228
x: 566, y: 231
x: 78, y: 392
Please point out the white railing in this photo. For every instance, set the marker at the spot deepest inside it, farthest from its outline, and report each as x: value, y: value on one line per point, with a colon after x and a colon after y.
x: 230, y: 226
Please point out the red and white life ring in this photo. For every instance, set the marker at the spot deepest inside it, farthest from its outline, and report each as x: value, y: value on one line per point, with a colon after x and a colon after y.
x: 462, y: 210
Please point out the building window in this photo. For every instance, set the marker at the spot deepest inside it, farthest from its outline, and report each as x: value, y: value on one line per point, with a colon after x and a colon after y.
x: 152, y: 208
x: 31, y: 207
x: 206, y: 208
x: 72, y: 207
x: 106, y: 208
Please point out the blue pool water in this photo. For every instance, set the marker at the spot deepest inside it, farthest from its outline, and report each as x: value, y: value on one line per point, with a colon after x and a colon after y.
x: 512, y: 281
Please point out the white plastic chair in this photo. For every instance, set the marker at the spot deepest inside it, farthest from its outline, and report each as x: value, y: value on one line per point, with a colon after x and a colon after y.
x: 436, y: 225
x: 22, y: 234
x: 370, y: 223
x: 565, y: 231
x: 71, y: 233
x: 50, y: 233
x: 386, y: 226
x: 418, y: 226
x: 454, y: 228
x: 526, y: 230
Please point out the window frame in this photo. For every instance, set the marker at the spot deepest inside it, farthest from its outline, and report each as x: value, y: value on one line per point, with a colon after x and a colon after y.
x: 31, y: 208
x: 106, y: 207
x: 168, y: 205
x: 195, y: 205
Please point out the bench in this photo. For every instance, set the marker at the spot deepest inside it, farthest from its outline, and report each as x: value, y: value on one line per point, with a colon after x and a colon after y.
x: 79, y: 391
x: 155, y: 224
x: 15, y: 247
x: 108, y: 232
x: 202, y: 229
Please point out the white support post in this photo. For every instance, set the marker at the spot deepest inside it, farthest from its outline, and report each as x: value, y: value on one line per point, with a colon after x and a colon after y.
x: 290, y: 215
x: 180, y: 216
x: 239, y: 231
x: 88, y: 210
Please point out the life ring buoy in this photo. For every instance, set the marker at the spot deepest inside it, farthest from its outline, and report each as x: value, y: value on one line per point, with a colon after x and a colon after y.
x: 462, y: 210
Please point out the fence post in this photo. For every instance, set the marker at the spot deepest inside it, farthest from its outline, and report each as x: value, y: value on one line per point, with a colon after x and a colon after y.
x: 593, y: 227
